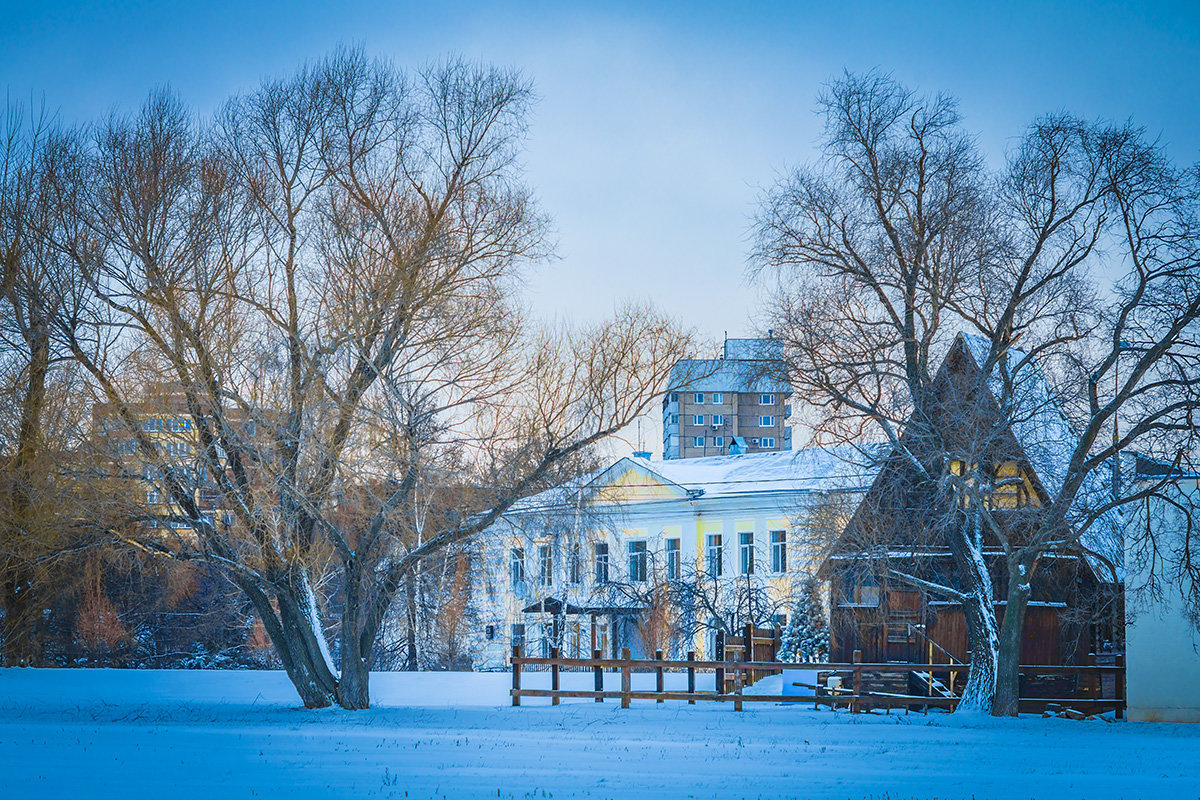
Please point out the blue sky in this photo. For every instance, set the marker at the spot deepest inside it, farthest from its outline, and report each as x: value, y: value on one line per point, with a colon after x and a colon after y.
x: 658, y: 123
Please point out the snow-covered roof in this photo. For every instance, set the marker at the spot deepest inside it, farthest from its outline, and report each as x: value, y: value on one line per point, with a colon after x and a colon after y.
x: 725, y: 375
x: 1049, y: 440
x: 832, y: 469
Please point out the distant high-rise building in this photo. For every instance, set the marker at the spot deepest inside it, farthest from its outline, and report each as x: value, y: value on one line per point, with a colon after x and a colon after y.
x: 726, y: 406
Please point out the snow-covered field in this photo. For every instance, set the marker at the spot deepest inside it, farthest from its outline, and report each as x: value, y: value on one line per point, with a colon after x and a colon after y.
x: 215, y: 735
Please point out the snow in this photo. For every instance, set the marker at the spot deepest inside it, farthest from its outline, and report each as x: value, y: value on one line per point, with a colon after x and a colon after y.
x: 110, y: 734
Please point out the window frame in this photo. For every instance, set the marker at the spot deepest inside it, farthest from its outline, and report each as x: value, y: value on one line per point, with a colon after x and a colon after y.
x: 639, y: 557
x: 714, y: 555
x: 778, y: 540
x: 745, y: 552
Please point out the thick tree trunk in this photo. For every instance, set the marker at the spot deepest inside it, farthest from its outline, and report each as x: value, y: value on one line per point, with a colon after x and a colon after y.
x: 1008, y: 678
x: 980, y: 616
x: 353, y: 691
x: 20, y: 530
x: 410, y: 597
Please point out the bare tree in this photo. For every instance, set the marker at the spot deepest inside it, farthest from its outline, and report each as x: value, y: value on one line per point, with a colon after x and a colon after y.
x: 326, y: 278
x: 902, y: 237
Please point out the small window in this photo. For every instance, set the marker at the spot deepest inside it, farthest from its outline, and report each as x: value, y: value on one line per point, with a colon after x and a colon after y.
x: 718, y: 441
x: 674, y: 397
x: 152, y: 424
x: 713, y: 555
x: 766, y: 421
x: 767, y: 441
x: 601, y: 563
x: 718, y: 419
x: 697, y: 419
x: 516, y: 565
x: 674, y: 419
x: 573, y: 566
x: 151, y: 497
x: 766, y: 399
x: 637, y: 562
x: 673, y: 566
x: 746, y: 552
x: 545, y: 565
x: 778, y: 551
x: 754, y: 442
x: 698, y: 441
x: 489, y: 632
x: 717, y: 398
x: 698, y: 397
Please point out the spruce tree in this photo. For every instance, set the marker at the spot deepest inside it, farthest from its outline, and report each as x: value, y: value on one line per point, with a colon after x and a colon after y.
x: 806, y: 639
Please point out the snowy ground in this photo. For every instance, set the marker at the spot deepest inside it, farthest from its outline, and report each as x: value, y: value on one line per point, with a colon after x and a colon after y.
x: 216, y: 735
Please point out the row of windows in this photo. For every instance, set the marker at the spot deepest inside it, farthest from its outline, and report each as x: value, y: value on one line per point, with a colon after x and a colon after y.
x: 719, y: 441
x: 719, y: 397
x: 764, y: 421
x: 638, y: 563
x: 170, y: 424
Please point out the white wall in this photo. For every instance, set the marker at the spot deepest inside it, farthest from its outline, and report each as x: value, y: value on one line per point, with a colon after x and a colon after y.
x: 1162, y: 648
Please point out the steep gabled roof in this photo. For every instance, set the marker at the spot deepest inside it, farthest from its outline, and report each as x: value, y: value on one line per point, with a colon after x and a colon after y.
x: 1048, y: 440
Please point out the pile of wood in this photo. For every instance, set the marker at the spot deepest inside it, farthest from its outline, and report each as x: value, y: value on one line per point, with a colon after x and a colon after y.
x: 1056, y: 710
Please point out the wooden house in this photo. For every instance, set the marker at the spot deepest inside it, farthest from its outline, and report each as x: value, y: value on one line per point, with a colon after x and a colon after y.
x: 896, y: 528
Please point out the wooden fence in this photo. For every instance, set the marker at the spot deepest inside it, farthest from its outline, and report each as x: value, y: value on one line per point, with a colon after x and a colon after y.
x: 862, y: 686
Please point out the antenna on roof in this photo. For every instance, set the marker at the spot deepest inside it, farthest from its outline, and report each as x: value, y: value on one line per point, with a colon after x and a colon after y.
x: 725, y: 344
x: 641, y: 443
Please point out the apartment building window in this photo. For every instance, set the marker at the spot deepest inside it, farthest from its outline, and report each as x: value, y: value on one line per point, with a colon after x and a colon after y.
x: 673, y: 566
x: 674, y: 419
x: 516, y: 565
x: 778, y: 551
x: 746, y: 552
x: 718, y: 441
x: 717, y: 398
x: 151, y: 497
x: 601, y: 563
x: 148, y: 472
x: 178, y: 424
x: 697, y: 419
x: 767, y: 441
x: 674, y: 397
x: 766, y: 399
x: 574, y: 570
x: 545, y: 565
x: 718, y: 419
x: 698, y: 397
x: 154, y: 424
x: 766, y: 421
x: 637, y: 562
x: 698, y: 441
x: 713, y: 553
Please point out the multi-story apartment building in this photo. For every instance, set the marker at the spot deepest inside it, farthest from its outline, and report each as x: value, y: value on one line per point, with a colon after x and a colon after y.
x: 727, y: 406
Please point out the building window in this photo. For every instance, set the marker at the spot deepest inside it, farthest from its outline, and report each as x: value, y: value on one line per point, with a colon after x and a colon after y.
x: 698, y: 441
x: 778, y: 551
x: 674, y: 397
x: 154, y: 424
x: 637, y: 562
x: 148, y: 472
x: 718, y: 419
x: 697, y: 419
x: 746, y: 552
x: 766, y: 399
x: 766, y: 421
x: 767, y: 441
x: 151, y: 497
x: 516, y: 565
x: 713, y: 555
x: 673, y: 566
x: 489, y: 632
x: 674, y: 419
x: 573, y: 566
x: 518, y: 634
x: 718, y: 441
x: 717, y: 397
x: 545, y: 565
x: 698, y: 397
x: 601, y: 563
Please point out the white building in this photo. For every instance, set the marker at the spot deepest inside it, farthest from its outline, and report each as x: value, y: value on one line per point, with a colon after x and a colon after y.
x: 658, y: 554
x: 1162, y: 646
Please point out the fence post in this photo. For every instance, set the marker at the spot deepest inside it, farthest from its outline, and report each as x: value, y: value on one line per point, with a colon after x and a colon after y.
x: 856, y: 657
x: 658, y: 683
x: 737, y: 688
x: 1119, y: 685
x: 598, y: 673
x: 625, y: 679
x: 720, y: 656
x: 691, y: 678
x: 516, y: 690
x: 554, y: 676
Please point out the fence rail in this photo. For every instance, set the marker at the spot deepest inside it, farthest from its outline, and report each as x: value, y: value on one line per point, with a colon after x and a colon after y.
x: 857, y: 695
